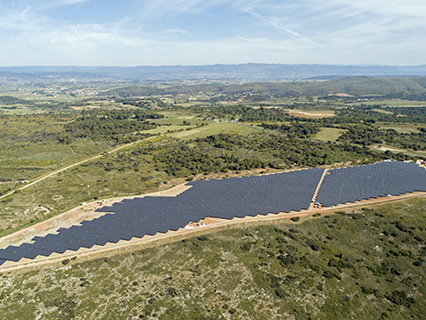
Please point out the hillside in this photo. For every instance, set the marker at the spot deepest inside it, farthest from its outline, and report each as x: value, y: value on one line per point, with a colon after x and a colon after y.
x: 360, y: 264
x: 357, y: 86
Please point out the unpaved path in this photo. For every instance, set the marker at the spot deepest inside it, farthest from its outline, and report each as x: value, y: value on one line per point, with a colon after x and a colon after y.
x: 75, y: 164
x: 382, y: 148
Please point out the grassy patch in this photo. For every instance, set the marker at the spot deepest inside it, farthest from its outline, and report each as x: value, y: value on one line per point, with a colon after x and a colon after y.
x: 29, y: 147
x: 405, y: 128
x: 328, y: 134
x: 110, y: 176
x: 215, y: 128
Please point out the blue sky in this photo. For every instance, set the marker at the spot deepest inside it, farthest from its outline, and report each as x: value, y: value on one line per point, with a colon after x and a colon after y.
x: 194, y: 32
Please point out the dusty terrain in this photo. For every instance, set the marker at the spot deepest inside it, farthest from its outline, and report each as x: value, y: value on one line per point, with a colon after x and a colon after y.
x: 310, y: 114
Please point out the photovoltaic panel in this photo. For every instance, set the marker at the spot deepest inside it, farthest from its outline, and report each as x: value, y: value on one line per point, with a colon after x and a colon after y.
x: 371, y: 181
x: 226, y: 198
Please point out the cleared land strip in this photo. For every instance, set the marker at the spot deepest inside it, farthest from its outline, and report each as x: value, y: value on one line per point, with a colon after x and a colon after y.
x: 318, y: 188
x: 211, y: 225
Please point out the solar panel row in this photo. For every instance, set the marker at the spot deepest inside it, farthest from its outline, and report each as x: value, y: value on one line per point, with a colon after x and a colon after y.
x: 227, y: 198
x: 371, y: 181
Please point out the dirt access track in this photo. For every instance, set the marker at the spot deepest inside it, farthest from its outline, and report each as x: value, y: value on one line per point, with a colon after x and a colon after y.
x: 208, y: 225
x: 39, y: 179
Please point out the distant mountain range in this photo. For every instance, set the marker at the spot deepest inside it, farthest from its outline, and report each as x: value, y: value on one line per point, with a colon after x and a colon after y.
x: 241, y: 72
x: 410, y: 88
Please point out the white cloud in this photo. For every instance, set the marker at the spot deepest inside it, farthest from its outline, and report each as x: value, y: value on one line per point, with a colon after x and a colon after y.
x: 286, y: 31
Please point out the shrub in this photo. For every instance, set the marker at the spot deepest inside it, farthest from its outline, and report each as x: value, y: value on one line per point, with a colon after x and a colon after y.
x: 232, y: 311
x: 280, y: 292
x: 418, y: 263
x: 287, y: 259
x: 315, y: 247
x: 246, y: 247
x: 330, y: 274
x: 171, y: 291
x: 400, y: 298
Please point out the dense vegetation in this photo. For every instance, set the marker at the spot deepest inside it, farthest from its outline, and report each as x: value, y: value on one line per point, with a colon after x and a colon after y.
x: 223, y: 152
x: 118, y: 125
x: 246, y: 113
x: 8, y: 100
x: 142, y: 103
x: 363, y: 264
x: 344, y: 116
x: 363, y: 124
x: 373, y: 115
x: 363, y: 135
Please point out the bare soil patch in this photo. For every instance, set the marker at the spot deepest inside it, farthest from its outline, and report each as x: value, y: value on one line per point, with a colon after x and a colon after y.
x: 310, y: 115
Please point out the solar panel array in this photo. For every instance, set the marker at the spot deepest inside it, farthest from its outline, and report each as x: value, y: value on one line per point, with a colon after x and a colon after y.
x: 371, y: 181
x: 226, y: 198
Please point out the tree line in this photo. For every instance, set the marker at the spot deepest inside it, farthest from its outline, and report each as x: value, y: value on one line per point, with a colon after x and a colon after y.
x: 364, y: 135
x: 227, y: 151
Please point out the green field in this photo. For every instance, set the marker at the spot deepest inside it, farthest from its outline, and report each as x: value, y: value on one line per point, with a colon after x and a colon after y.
x: 29, y: 147
x: 215, y: 128
x: 404, y: 128
x: 18, y: 110
x: 328, y: 134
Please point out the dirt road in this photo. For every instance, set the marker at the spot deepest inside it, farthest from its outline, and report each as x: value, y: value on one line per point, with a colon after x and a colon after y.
x: 73, y: 165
